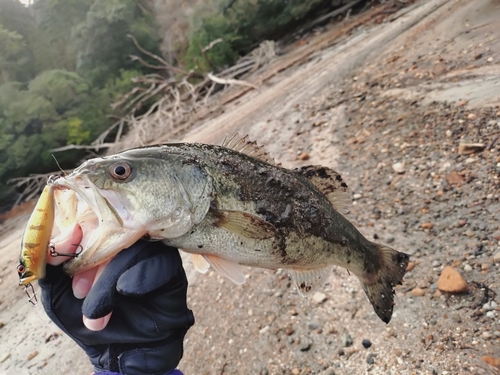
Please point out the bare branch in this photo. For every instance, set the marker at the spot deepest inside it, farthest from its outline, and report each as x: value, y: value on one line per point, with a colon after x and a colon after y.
x: 231, y: 81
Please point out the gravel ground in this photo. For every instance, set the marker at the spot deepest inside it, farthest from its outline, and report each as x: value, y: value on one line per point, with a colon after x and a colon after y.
x: 392, y: 127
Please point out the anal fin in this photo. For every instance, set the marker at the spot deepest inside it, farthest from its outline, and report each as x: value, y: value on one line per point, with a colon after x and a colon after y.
x: 226, y: 268
x: 310, y: 280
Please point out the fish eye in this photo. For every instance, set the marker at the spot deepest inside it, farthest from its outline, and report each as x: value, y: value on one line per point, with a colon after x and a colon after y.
x: 21, y: 269
x: 120, y: 170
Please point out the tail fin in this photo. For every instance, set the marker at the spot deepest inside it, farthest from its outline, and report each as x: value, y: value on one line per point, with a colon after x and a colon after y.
x: 380, y: 287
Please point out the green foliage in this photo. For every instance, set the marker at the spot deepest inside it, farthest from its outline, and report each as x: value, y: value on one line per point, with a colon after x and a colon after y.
x: 242, y: 25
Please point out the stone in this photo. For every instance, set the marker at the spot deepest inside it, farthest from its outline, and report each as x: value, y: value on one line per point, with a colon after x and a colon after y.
x: 427, y: 225
x: 319, y: 297
x: 32, y: 355
x: 305, y: 344
x: 492, y: 305
x: 410, y: 266
x: 313, y: 324
x: 470, y: 148
x: 418, y: 292
x: 370, y: 358
x: 347, y: 340
x: 451, y: 281
x: 304, y: 156
x: 399, y: 167
x: 4, y: 357
x: 366, y: 343
x: 492, y: 361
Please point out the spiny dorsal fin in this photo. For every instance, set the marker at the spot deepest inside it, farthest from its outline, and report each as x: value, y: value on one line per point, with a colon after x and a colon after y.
x: 247, y: 147
x: 330, y: 183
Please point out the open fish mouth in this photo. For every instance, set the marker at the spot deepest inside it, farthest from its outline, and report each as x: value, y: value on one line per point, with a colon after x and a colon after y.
x: 79, y: 202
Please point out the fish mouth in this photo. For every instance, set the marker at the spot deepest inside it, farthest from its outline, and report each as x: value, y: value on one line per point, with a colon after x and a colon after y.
x: 27, y: 278
x: 95, y: 215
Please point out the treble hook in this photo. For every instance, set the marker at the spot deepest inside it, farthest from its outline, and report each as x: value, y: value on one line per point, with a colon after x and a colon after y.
x: 31, y: 297
x: 54, y: 253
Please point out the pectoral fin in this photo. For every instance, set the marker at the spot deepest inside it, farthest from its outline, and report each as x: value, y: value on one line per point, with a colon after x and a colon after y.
x: 199, y: 263
x: 245, y: 224
x: 310, y: 280
x: 226, y: 268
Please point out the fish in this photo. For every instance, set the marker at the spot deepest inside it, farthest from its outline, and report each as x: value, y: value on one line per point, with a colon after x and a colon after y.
x: 35, y: 242
x: 231, y: 205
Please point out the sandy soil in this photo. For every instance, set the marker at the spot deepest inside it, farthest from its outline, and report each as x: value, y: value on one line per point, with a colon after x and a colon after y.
x: 403, y: 89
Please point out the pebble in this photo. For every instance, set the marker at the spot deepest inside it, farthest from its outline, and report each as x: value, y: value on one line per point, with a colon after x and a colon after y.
x: 496, y: 257
x: 347, y: 340
x: 427, y: 225
x: 418, y: 292
x: 2, y: 324
x: 451, y: 281
x: 304, y: 156
x: 32, y: 355
x: 295, y: 371
x: 305, y: 344
x: 313, y: 324
x: 399, y: 167
x: 366, y: 343
x: 4, y: 357
x: 491, y: 314
x: 492, y: 361
x: 356, y: 196
x: 370, y: 358
x: 469, y: 233
x: 328, y: 371
x: 410, y: 266
x: 289, y: 330
x: 319, y: 297
x: 492, y: 305
x: 467, y: 268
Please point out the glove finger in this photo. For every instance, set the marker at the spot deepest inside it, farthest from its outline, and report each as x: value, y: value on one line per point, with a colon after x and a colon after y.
x: 161, y: 265
x: 103, y: 296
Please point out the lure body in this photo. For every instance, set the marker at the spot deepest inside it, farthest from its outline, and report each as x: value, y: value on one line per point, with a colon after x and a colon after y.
x: 36, y: 239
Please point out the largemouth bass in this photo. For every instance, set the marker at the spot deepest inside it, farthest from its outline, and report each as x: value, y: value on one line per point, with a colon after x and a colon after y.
x: 231, y: 205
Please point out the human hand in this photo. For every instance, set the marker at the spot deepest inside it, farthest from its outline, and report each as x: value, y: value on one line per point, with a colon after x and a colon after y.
x: 144, y: 287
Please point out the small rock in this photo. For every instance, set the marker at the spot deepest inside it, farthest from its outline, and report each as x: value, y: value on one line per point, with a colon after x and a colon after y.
x: 304, y: 156
x: 496, y: 257
x: 399, y: 167
x: 491, y: 314
x: 469, y: 233
x: 305, y: 344
x: 496, y: 236
x: 410, y: 266
x: 467, y: 268
x: 454, y: 178
x: 328, y: 371
x: 489, y: 59
x: 347, y: 340
x: 313, y: 324
x: 427, y: 225
x: 356, y: 196
x: 32, y: 355
x: 418, y: 292
x: 366, y: 343
x: 319, y: 297
x: 370, y: 358
x: 2, y: 324
x: 472, y: 116
x: 449, y: 133
x: 295, y: 371
x: 462, y: 102
x: 492, y: 361
x: 470, y: 148
x: 492, y: 305
x: 4, y: 357
x: 451, y: 281
x: 389, y: 239
x: 486, y: 335
x: 289, y: 330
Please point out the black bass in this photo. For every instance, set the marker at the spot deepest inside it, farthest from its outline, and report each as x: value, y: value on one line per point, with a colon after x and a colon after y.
x: 231, y: 205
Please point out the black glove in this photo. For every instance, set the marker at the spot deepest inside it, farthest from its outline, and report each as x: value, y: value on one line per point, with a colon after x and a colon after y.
x: 145, y: 287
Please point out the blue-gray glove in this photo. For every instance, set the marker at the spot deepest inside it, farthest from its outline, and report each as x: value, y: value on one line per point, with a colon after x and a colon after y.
x: 145, y: 286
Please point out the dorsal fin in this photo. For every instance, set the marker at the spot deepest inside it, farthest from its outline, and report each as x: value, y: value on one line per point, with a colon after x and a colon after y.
x: 247, y: 147
x: 329, y: 183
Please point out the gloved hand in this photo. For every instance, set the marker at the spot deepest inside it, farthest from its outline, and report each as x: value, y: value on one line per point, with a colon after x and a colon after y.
x: 144, y: 287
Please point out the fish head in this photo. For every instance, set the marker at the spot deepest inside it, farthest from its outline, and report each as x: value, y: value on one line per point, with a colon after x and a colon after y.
x: 136, y: 194
x: 30, y: 268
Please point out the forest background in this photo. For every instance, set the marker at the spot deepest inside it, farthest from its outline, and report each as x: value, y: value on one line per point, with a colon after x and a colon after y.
x: 65, y: 64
